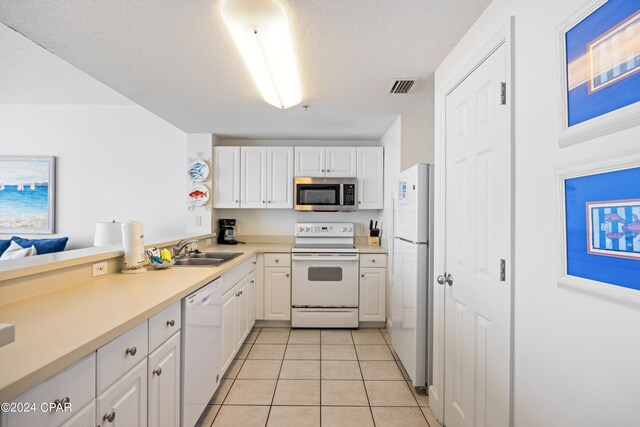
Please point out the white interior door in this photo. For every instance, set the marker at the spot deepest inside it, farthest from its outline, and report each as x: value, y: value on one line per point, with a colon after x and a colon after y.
x: 478, y: 237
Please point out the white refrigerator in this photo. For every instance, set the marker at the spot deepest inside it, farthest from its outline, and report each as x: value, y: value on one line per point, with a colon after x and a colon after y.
x: 412, y: 287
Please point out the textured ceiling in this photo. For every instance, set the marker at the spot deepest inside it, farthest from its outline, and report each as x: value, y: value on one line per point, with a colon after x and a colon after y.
x: 31, y: 75
x: 176, y: 59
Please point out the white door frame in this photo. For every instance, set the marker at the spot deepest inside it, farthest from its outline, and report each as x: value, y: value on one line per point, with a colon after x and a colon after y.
x: 504, y: 36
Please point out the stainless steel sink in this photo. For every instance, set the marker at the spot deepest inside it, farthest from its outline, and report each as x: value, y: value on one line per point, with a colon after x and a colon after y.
x: 207, y: 259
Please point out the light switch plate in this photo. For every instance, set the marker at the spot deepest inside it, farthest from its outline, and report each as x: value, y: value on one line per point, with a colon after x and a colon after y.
x: 99, y: 269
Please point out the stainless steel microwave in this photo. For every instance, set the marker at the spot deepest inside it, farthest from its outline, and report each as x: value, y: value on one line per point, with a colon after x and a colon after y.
x: 325, y: 194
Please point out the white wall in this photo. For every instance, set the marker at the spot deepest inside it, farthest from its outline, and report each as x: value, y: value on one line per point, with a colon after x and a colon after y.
x: 199, y: 220
x: 113, y: 162
x: 576, y: 357
x: 417, y: 139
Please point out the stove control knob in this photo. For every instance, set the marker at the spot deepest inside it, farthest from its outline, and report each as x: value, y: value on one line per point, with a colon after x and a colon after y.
x: 343, y: 229
x: 350, y: 229
x: 307, y: 229
x: 300, y: 229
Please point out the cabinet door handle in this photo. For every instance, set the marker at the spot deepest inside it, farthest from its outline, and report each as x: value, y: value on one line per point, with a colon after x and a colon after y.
x: 171, y: 322
x: 373, y: 260
x: 253, y: 281
x: 322, y: 170
x: 132, y: 351
x: 236, y: 201
x: 277, y: 260
x: 62, y: 401
x: 263, y: 202
x: 328, y: 170
x: 287, y: 274
x: 110, y: 416
x: 269, y: 201
x: 362, y: 275
x: 157, y: 371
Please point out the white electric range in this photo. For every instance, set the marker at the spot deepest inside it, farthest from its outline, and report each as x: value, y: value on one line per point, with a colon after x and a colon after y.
x: 324, y: 276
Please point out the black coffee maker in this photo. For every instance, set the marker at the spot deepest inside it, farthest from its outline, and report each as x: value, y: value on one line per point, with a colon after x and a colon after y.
x: 226, y: 235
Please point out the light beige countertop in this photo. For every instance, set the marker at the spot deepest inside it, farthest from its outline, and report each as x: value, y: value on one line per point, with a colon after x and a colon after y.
x: 55, y: 329
x: 366, y: 249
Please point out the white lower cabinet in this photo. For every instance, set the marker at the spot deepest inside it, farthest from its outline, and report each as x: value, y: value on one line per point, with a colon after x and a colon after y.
x: 125, y: 402
x: 277, y: 293
x: 238, y: 317
x: 228, y: 332
x: 242, y: 312
x: 163, y: 379
x: 76, y: 386
x: 86, y: 417
x: 252, y: 301
x: 373, y: 288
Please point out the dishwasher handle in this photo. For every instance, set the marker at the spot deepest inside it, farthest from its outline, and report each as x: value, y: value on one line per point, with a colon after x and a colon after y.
x: 203, y: 295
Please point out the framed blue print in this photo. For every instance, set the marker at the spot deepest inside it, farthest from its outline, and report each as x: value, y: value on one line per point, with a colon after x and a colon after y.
x: 600, y: 48
x: 602, y: 225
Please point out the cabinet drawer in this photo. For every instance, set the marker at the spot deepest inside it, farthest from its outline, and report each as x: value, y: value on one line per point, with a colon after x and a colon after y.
x: 373, y: 260
x: 120, y: 355
x: 233, y: 276
x: 163, y: 325
x: 75, y: 385
x: 277, y: 260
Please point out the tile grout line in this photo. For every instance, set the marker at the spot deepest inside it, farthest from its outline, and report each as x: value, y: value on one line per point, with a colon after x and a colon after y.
x: 407, y: 382
x: 364, y: 384
x: 273, y: 398
x: 236, y: 377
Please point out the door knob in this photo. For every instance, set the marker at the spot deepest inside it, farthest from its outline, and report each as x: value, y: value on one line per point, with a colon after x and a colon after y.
x: 109, y: 417
x: 448, y: 279
x: 157, y: 371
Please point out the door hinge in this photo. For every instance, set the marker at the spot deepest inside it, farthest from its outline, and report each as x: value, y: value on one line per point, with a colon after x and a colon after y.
x: 503, y: 93
x: 503, y: 270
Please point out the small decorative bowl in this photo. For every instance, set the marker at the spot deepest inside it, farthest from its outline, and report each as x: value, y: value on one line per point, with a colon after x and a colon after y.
x: 162, y: 264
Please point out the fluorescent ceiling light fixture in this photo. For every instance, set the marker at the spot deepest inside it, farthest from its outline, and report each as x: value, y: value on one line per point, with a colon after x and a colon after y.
x: 260, y: 29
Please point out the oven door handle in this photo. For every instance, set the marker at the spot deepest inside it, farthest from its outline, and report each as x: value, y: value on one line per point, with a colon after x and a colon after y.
x: 325, y: 257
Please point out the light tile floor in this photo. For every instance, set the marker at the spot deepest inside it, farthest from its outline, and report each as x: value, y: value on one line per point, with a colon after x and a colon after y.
x: 329, y: 378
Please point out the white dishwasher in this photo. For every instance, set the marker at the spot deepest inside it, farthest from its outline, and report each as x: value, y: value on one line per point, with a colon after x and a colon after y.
x: 201, y: 319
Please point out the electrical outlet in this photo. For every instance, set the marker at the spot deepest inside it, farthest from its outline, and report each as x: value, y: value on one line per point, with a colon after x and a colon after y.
x: 198, y: 221
x: 99, y: 269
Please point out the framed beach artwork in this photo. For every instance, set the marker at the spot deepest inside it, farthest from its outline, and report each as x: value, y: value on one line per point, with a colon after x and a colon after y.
x: 600, y: 229
x: 599, y: 70
x: 27, y: 195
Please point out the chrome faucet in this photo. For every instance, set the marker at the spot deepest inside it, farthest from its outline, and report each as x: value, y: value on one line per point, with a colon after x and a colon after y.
x: 182, y: 244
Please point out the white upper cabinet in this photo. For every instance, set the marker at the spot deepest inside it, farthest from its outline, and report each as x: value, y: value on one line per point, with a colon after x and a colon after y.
x: 279, y: 180
x: 310, y: 161
x: 341, y: 162
x: 370, y: 177
x: 334, y: 162
x: 253, y: 184
x: 226, y: 177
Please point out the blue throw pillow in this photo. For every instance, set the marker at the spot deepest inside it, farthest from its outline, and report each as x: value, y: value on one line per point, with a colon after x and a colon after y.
x: 4, y: 244
x: 43, y: 246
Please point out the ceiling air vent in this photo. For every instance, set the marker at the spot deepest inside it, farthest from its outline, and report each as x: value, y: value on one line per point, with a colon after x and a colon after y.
x: 401, y: 86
